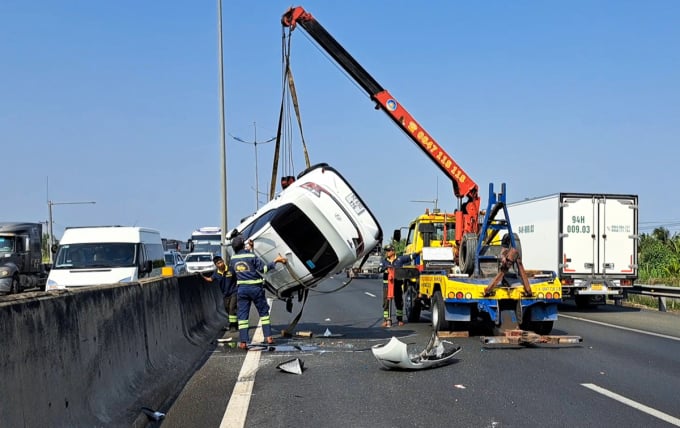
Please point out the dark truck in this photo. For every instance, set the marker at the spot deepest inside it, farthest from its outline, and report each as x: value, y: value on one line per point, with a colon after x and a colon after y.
x: 21, y: 265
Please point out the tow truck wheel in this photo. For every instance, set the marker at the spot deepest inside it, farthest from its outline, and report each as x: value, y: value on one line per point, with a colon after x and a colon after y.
x: 411, y: 305
x: 14, y: 286
x: 466, y: 257
x: 438, y: 312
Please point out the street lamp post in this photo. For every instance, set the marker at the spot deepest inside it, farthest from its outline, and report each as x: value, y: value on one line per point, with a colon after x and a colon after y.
x: 255, y: 143
x: 51, y: 222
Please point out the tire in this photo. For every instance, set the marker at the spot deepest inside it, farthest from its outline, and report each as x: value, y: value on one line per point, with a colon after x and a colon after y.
x: 439, y: 322
x: 466, y: 256
x: 14, y: 286
x: 411, y: 304
x: 505, y: 242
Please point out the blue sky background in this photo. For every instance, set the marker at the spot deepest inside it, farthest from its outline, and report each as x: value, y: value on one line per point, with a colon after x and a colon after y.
x: 117, y: 102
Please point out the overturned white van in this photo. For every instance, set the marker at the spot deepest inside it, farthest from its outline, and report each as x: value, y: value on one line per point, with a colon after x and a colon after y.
x: 319, y: 223
x: 89, y: 256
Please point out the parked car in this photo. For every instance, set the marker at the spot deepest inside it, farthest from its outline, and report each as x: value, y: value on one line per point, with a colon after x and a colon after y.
x: 319, y: 223
x: 200, y: 262
x: 176, y: 261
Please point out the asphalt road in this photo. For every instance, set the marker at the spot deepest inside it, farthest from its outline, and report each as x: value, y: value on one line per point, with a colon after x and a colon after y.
x: 626, y: 373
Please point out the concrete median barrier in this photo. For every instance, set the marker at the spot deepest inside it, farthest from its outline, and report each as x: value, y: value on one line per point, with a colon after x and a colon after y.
x: 96, y: 356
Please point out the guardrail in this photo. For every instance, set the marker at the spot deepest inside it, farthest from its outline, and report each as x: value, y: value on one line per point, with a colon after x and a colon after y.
x: 661, y: 292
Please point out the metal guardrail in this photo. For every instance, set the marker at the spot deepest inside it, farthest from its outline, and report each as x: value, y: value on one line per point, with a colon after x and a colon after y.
x: 661, y: 292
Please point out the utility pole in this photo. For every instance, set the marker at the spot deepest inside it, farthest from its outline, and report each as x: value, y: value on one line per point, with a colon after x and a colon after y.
x: 255, y: 143
x: 223, y: 143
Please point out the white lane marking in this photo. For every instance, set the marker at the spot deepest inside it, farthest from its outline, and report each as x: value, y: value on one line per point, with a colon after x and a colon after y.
x: 237, y: 408
x: 369, y: 294
x: 634, y: 404
x: 649, y: 333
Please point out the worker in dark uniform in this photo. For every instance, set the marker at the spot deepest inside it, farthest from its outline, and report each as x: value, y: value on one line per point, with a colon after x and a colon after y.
x: 391, y: 260
x: 223, y: 276
x: 248, y: 270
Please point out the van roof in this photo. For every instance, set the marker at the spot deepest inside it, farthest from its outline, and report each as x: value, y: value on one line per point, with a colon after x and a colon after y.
x: 74, y: 235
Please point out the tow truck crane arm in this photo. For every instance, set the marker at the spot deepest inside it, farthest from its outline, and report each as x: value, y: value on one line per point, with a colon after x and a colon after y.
x: 463, y: 185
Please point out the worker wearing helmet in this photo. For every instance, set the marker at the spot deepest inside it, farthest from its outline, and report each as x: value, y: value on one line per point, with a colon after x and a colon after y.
x: 248, y: 270
x: 391, y: 260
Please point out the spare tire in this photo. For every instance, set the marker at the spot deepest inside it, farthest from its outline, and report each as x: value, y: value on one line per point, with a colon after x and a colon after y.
x: 466, y: 256
x: 505, y: 242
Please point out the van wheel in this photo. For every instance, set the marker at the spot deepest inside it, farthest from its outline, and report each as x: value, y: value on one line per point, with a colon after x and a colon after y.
x: 14, y: 286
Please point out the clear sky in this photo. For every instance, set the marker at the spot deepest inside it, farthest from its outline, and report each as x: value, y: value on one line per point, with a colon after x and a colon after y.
x: 117, y: 102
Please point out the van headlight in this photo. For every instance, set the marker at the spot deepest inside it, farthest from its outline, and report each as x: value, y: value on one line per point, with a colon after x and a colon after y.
x: 52, y: 285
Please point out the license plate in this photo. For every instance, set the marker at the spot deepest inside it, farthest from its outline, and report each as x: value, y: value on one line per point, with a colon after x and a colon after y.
x: 596, y: 287
x: 355, y: 203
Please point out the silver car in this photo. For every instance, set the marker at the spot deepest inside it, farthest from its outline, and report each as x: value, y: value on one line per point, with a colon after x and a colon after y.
x: 175, y: 259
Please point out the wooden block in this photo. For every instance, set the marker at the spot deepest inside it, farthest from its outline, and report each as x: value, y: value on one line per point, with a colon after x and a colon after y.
x: 453, y: 334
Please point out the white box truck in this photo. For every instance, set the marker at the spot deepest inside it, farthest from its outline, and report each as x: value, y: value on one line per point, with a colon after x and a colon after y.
x: 589, y: 239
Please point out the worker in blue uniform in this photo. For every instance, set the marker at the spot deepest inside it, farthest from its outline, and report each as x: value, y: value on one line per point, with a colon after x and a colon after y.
x: 223, y: 277
x: 391, y: 260
x: 248, y: 269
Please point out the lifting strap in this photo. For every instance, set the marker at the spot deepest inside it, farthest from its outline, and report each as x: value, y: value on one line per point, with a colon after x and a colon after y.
x: 288, y: 92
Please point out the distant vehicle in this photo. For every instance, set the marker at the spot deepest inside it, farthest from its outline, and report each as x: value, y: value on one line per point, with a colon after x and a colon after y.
x: 205, y: 240
x: 21, y: 265
x: 174, y: 244
x: 89, y: 256
x: 319, y: 223
x: 175, y: 260
x: 201, y: 262
x: 589, y: 239
x: 370, y: 268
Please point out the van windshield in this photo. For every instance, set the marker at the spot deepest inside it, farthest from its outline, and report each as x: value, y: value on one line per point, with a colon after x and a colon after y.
x: 96, y: 255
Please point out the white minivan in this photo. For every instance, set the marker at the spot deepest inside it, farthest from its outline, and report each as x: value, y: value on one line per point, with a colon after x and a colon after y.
x: 89, y: 256
x: 319, y: 223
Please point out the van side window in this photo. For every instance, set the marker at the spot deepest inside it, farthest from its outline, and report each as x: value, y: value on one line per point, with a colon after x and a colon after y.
x: 155, y: 253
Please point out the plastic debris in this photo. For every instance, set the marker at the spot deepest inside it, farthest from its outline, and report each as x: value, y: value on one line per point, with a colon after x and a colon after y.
x: 153, y: 415
x: 295, y: 366
x: 394, y: 354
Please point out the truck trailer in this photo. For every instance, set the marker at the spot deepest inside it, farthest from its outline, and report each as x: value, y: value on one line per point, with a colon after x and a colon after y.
x: 589, y: 239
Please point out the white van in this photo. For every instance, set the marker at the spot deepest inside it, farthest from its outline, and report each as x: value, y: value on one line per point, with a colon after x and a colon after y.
x: 89, y: 256
x: 319, y: 223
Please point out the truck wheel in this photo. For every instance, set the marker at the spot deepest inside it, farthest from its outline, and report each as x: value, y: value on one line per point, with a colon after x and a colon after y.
x: 466, y: 256
x: 14, y: 286
x: 438, y: 312
x: 411, y: 305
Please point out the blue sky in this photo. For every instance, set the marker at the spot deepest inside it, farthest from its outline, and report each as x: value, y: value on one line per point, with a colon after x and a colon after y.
x: 117, y: 102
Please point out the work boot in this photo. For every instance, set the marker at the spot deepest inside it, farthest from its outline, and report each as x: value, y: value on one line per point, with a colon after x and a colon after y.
x: 387, y: 323
x: 270, y: 340
x: 243, y: 345
x: 400, y: 323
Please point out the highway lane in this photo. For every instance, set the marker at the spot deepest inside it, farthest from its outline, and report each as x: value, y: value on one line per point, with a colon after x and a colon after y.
x: 619, y: 377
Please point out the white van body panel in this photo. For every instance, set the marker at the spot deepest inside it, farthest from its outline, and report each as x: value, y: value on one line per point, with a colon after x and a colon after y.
x: 95, y: 249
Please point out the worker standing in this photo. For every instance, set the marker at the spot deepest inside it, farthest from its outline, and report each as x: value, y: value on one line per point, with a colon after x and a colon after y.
x: 248, y: 270
x: 391, y: 260
x: 223, y: 276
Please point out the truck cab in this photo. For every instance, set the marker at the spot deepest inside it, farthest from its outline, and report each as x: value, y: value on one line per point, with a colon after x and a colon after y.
x: 21, y: 265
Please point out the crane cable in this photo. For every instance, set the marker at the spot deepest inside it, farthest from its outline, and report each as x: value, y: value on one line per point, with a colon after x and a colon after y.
x: 289, y: 95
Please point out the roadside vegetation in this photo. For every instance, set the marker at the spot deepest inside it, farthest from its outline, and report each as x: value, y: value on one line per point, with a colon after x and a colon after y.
x: 658, y: 264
